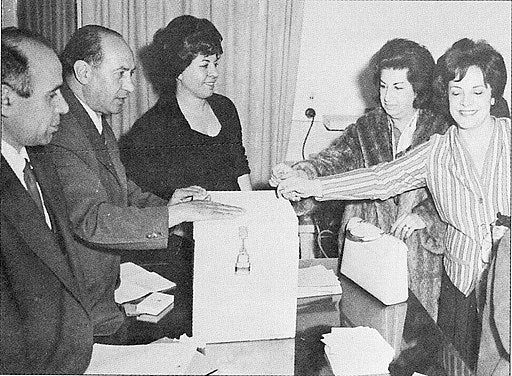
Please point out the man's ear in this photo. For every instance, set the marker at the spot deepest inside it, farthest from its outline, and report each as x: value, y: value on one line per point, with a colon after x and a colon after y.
x: 82, y: 71
x: 9, y: 100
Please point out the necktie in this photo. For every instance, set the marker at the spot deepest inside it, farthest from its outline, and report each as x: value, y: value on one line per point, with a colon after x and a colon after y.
x: 102, y: 136
x: 31, y: 182
x: 104, y: 124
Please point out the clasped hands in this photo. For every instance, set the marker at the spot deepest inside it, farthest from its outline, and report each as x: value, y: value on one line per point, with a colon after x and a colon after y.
x: 293, y: 184
x: 194, y: 204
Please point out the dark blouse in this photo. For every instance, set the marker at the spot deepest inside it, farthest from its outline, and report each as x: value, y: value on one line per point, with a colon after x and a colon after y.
x: 162, y: 153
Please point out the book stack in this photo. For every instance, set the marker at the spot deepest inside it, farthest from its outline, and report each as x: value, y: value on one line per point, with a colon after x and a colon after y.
x: 150, y: 308
x: 142, y: 293
x: 318, y: 289
x: 317, y: 281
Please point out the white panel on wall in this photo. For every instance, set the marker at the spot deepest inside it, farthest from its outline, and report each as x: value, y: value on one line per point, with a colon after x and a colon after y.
x: 340, y: 37
x: 9, y: 13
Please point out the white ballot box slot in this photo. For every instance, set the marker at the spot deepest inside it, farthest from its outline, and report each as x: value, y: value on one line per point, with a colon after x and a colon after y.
x: 245, y: 271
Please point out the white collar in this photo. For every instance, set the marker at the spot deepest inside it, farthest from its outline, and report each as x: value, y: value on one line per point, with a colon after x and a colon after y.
x: 96, y: 119
x: 405, y: 140
x: 15, y: 159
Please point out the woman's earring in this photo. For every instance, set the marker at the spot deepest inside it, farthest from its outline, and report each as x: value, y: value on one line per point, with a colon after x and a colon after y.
x: 493, y: 101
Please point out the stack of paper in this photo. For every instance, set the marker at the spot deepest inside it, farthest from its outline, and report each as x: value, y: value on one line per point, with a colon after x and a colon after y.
x: 357, y: 351
x: 317, y: 281
x: 167, y: 357
x: 137, y: 282
x: 155, y: 303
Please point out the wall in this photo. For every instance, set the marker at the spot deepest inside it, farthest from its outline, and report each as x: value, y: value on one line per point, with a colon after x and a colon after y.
x: 339, y: 38
x: 9, y: 13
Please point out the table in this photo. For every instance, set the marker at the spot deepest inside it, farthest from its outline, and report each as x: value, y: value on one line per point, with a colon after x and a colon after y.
x: 419, y: 344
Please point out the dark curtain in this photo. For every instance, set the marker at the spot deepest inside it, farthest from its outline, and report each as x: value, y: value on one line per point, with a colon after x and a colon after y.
x: 53, y: 19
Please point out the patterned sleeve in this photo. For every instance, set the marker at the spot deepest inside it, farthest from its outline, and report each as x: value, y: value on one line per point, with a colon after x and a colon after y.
x: 379, y: 182
x: 344, y: 154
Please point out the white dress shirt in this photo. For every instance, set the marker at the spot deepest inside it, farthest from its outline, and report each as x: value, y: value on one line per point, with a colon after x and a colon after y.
x: 405, y: 139
x: 96, y: 119
x: 17, y: 161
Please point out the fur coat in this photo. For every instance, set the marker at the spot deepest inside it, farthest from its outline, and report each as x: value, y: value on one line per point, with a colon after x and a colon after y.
x: 367, y: 143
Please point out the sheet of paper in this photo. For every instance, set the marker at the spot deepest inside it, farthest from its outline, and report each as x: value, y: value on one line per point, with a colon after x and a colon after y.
x: 306, y: 292
x: 317, y: 281
x: 155, y: 303
x: 137, y: 282
x: 230, y: 306
x: 169, y: 358
x: 357, y: 351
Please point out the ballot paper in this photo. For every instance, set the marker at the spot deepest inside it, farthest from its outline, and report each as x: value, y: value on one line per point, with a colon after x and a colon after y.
x: 171, y: 357
x: 137, y: 282
x: 245, y: 271
x: 357, y: 351
x: 317, y: 281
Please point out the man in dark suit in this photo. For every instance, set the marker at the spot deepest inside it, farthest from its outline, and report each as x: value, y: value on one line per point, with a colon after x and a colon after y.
x: 108, y: 211
x: 45, y: 324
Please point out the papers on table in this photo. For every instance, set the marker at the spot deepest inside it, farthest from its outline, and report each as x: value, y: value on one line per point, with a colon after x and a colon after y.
x: 357, y: 351
x: 171, y: 357
x: 155, y: 303
x: 317, y: 281
x: 137, y: 282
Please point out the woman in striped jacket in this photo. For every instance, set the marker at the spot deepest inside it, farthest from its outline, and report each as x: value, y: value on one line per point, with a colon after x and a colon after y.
x: 466, y: 170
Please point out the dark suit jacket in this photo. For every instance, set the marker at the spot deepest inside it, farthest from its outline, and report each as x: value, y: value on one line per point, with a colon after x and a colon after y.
x: 107, y: 211
x: 105, y: 207
x: 45, y: 325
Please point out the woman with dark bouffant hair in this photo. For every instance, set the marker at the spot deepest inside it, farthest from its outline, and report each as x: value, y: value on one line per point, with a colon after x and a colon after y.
x: 467, y: 172
x: 405, y: 54
x: 403, y: 73
x: 191, y: 136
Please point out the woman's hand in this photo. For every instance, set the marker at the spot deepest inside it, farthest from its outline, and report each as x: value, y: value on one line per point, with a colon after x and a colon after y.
x: 406, y: 224
x: 295, y: 188
x: 191, y: 193
x: 281, y: 172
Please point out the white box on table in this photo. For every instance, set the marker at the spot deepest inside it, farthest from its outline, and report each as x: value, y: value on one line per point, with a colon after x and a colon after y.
x: 262, y: 304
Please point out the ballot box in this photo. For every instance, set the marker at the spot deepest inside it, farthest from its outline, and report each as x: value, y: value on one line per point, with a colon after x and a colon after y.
x: 245, y: 271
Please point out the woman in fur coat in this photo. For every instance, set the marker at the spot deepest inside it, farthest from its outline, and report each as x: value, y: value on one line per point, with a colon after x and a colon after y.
x: 403, y: 72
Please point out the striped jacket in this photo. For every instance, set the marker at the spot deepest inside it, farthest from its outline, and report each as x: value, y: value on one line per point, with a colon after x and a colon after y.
x: 467, y: 203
